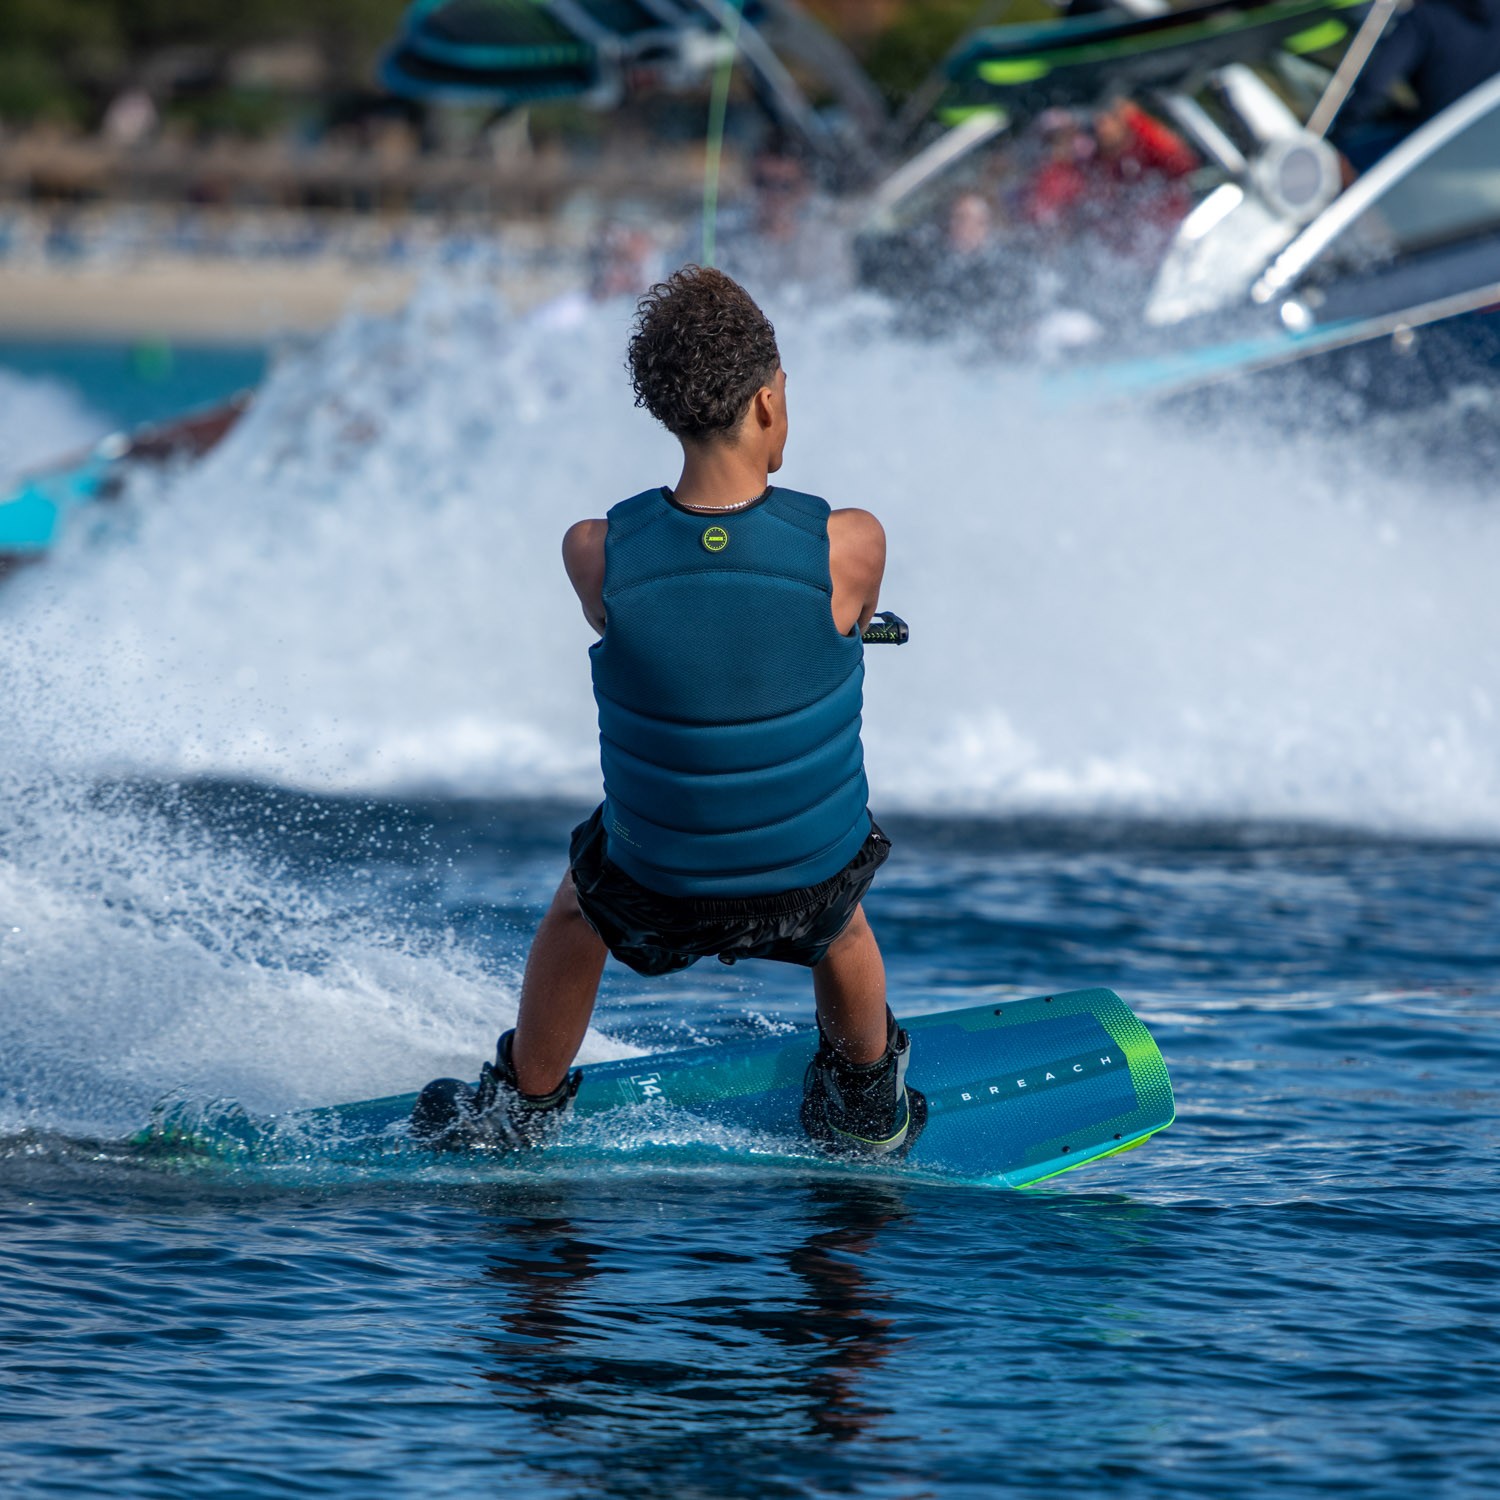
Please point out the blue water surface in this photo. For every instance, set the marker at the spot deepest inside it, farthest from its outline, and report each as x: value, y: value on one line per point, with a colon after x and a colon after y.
x: 1291, y: 1292
x: 147, y: 381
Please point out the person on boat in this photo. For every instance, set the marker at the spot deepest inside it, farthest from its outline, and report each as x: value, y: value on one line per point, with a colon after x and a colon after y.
x: 1134, y: 147
x: 786, y: 233
x: 1117, y: 179
x: 729, y: 676
x: 1440, y: 50
x: 972, y: 281
x: 971, y: 225
x: 1059, y: 187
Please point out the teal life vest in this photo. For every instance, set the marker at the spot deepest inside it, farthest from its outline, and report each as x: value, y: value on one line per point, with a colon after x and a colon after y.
x: 729, y: 704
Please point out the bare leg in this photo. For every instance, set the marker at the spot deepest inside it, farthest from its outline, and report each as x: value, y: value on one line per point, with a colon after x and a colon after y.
x: 557, y: 995
x: 850, y: 989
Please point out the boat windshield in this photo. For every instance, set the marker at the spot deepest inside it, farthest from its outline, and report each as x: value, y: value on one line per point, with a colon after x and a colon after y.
x: 1450, y: 194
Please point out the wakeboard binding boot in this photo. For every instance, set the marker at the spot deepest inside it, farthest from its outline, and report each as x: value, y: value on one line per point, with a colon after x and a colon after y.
x: 863, y: 1109
x: 456, y: 1116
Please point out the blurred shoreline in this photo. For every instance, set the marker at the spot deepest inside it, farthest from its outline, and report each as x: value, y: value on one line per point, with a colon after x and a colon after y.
x: 234, y: 276
x: 228, y: 244
x: 180, y: 298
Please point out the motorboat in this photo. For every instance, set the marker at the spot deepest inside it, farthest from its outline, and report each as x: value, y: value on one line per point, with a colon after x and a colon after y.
x: 1392, y: 289
x: 1386, y: 284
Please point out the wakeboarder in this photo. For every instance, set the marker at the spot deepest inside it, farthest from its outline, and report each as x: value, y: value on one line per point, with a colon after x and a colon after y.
x: 729, y: 676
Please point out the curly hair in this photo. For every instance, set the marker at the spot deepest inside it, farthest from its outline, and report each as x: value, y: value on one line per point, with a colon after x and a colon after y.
x: 699, y: 351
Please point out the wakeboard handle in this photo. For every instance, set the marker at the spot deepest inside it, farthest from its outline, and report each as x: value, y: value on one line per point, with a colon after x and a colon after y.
x: 886, y: 629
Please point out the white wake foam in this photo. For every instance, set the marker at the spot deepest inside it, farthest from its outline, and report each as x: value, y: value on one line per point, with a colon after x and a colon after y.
x: 41, y: 421
x: 361, y: 587
x: 138, y: 955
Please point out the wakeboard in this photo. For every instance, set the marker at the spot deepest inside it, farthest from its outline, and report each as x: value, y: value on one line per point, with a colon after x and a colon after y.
x: 1017, y: 1091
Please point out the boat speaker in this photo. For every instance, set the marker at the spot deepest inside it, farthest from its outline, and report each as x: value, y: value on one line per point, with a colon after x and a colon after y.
x: 1298, y: 176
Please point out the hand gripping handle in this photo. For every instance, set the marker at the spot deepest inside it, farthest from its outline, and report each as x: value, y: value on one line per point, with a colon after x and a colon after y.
x: 886, y: 629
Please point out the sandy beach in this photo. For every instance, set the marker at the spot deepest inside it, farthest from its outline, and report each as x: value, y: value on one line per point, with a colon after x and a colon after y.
x: 187, y: 298
x: 209, y: 300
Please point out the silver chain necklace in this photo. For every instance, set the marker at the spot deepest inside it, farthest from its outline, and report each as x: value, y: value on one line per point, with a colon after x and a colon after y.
x: 715, y: 510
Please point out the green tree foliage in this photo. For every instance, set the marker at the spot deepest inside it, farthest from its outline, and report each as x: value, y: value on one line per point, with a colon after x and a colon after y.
x: 65, y: 58
x: 44, y: 45
x: 60, y: 26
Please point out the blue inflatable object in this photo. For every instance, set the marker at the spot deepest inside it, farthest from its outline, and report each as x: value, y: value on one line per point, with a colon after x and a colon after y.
x: 32, y: 515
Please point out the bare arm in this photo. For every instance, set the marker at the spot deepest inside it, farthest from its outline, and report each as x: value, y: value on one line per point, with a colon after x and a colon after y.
x: 856, y: 563
x: 583, y: 557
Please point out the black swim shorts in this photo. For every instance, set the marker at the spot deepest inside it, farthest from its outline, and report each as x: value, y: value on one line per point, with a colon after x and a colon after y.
x: 657, y: 934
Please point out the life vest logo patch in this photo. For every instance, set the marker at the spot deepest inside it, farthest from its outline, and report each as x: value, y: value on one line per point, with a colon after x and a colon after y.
x: 715, y: 539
